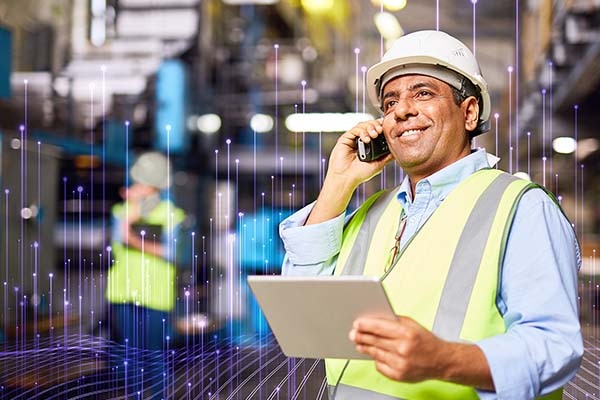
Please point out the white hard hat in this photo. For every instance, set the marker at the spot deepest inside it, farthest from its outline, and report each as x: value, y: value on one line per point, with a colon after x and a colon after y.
x: 152, y: 169
x: 436, y: 54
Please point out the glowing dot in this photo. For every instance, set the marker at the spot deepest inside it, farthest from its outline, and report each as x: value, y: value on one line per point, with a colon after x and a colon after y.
x: 25, y: 81
x: 143, y: 233
x: 303, y: 83
x: 168, y: 127
x: 363, y: 68
x: 276, y: 45
x: 228, y: 141
x: 35, y: 244
x: 64, y: 179
x: 80, y: 189
x: 127, y: 123
x: 474, y: 1
x: 6, y: 191
x: 193, y: 233
x: 216, y: 151
x: 576, y: 106
x: 241, y: 214
x: 496, y: 115
x: 22, y: 127
x: 543, y: 91
x: 510, y: 68
x: 528, y: 133
x: 108, y: 248
x: 187, y: 293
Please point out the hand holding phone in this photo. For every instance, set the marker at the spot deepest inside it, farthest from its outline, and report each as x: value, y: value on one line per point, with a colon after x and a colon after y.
x: 373, y: 150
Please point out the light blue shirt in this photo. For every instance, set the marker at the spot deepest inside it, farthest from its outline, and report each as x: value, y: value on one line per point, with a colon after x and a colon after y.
x: 542, y: 347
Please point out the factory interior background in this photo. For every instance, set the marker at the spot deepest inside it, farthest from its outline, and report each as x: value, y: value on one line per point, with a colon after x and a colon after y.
x: 246, y: 98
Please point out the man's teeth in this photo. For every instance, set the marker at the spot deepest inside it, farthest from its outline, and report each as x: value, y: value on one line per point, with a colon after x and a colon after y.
x: 411, y: 132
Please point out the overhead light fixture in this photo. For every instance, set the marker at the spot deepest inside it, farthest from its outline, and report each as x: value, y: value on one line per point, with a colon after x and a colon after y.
x: 324, y: 122
x: 261, y: 123
x: 317, y: 6
x: 564, y: 145
x: 392, y: 5
x: 243, y: 2
x: 208, y: 123
x: 388, y: 26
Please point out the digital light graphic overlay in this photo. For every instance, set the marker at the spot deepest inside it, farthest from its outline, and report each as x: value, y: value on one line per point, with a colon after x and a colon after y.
x: 234, y: 357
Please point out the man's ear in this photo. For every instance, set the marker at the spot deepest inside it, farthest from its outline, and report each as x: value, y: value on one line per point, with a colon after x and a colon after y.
x: 470, y: 108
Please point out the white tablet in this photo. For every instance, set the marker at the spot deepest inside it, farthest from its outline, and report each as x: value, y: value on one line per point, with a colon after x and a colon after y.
x: 311, y: 316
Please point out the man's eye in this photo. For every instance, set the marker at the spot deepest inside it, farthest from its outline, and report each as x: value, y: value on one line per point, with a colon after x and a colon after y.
x: 423, y: 93
x: 389, y: 105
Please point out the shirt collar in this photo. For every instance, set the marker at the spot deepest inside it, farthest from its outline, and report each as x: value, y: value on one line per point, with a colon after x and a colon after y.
x: 445, y: 180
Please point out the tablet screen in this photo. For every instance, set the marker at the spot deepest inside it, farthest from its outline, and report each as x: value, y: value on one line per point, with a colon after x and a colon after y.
x: 311, y: 316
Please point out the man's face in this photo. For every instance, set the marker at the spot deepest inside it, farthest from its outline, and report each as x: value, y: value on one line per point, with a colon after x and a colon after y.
x: 424, y: 127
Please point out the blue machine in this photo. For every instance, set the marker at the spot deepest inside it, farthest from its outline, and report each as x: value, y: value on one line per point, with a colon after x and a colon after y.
x: 170, y: 107
x: 5, y: 62
x: 260, y: 252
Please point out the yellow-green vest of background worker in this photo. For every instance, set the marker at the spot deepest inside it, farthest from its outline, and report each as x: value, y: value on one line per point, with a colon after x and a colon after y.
x: 141, y: 280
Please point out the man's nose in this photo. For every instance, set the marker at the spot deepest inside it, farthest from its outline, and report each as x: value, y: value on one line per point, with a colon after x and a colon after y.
x: 404, y: 109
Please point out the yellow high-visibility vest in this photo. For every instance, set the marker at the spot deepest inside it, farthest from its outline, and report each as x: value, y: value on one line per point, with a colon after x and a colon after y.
x: 142, y: 278
x: 446, y: 277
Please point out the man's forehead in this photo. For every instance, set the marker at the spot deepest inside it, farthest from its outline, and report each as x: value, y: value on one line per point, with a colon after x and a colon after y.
x: 413, y: 81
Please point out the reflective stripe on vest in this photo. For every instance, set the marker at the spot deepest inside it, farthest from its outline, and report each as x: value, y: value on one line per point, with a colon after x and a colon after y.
x: 440, y: 288
x: 350, y: 392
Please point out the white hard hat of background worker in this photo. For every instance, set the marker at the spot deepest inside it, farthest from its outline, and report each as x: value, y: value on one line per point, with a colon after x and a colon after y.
x: 435, y: 54
x: 152, y: 169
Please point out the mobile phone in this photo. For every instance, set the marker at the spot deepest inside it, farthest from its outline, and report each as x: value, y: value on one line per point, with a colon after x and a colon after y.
x: 373, y: 150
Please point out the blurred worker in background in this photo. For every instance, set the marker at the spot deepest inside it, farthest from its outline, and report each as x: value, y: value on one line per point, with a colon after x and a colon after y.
x: 141, y: 282
x: 481, y: 267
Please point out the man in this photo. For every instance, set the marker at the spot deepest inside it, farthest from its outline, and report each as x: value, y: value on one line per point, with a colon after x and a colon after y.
x: 480, y: 267
x: 141, y: 282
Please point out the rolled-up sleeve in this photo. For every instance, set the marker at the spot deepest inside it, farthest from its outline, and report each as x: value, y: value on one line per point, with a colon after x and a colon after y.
x: 542, y: 347
x: 310, y: 249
